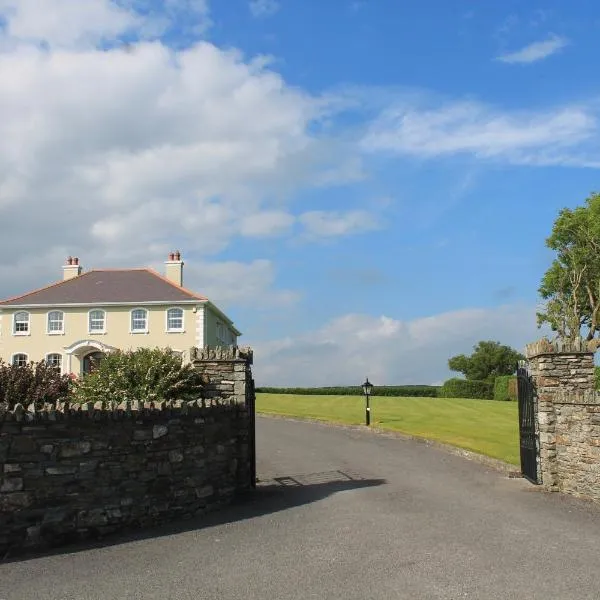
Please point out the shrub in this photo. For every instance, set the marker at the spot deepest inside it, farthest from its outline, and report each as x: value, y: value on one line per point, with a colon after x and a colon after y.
x: 35, y: 383
x: 467, y: 388
x: 505, y: 387
x: 597, y: 377
x: 145, y: 374
x: 430, y: 391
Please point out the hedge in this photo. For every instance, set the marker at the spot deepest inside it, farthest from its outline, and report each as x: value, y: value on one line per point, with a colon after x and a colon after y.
x: 505, y: 387
x: 430, y: 391
x: 467, y: 388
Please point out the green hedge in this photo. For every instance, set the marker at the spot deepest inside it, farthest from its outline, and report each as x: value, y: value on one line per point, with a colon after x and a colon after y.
x: 430, y: 391
x: 505, y: 387
x: 467, y: 388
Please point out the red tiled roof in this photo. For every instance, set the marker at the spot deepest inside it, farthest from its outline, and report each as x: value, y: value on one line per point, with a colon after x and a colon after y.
x: 108, y: 286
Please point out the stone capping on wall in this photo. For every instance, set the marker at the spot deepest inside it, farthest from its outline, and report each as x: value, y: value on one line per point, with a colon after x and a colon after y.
x: 108, y: 411
x: 559, y: 346
x: 225, y: 353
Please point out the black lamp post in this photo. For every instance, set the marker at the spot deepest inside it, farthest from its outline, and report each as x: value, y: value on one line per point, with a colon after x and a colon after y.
x: 367, y: 387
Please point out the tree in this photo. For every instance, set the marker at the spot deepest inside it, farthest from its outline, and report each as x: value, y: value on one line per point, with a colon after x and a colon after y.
x: 571, y: 286
x: 489, y: 360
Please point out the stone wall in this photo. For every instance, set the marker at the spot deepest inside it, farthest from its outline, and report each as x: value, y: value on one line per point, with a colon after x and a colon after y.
x: 74, y: 472
x: 568, y: 417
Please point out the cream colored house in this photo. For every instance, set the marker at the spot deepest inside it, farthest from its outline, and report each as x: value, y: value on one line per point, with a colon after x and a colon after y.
x: 77, y: 320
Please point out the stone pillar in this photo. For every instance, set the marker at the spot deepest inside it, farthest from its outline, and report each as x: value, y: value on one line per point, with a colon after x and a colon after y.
x: 227, y: 371
x: 556, y: 367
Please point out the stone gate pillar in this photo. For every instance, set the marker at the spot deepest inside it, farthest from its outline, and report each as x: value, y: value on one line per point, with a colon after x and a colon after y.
x: 557, y: 366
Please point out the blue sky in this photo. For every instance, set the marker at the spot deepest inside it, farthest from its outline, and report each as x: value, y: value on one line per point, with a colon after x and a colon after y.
x: 364, y: 187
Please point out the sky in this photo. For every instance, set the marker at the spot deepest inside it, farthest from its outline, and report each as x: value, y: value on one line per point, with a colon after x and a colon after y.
x: 364, y: 187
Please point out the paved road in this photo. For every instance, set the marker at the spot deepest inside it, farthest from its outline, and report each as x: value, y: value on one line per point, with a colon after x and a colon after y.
x: 345, y: 514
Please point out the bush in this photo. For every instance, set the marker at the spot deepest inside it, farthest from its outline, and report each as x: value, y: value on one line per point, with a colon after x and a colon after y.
x: 467, y: 388
x: 505, y: 387
x: 145, y: 374
x: 597, y: 374
x: 35, y: 383
x: 430, y: 391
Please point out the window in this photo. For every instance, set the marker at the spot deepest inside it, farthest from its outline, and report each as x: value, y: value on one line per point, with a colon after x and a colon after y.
x: 139, y: 320
x: 97, y: 321
x: 175, y: 319
x: 21, y: 326
x: 220, y: 333
x: 19, y: 360
x: 56, y: 320
x: 54, y: 360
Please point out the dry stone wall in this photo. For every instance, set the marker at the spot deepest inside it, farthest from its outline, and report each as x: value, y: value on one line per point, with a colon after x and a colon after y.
x: 71, y: 472
x: 568, y: 417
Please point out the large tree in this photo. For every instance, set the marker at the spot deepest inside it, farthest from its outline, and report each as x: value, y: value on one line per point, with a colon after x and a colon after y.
x: 571, y: 286
x: 489, y: 360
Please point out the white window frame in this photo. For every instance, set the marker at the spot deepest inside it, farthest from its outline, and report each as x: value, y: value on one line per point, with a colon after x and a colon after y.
x: 60, y: 331
x: 28, y: 331
x: 12, y: 358
x: 146, y: 312
x: 173, y: 329
x: 89, y: 322
x: 60, y: 366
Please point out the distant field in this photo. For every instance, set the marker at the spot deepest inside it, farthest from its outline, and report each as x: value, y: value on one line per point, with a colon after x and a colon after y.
x: 484, y: 426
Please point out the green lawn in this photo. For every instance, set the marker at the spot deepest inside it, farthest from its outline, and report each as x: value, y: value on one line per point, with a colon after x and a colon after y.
x: 484, y: 426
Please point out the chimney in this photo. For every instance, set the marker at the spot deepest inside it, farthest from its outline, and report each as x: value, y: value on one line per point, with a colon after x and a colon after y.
x: 174, y: 268
x: 71, y: 269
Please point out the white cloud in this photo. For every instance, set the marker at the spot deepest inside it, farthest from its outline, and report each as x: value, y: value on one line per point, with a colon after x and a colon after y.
x: 230, y: 283
x: 263, y: 8
x: 535, y: 51
x: 388, y: 350
x: 550, y: 137
x: 267, y: 223
x: 323, y: 224
x: 66, y: 22
x: 117, y: 156
x: 85, y: 23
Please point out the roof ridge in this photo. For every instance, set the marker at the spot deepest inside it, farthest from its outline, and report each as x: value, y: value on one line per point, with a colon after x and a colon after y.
x: 43, y: 288
x: 179, y: 287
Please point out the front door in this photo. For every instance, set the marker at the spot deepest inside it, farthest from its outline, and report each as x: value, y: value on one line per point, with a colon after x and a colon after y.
x: 90, y: 361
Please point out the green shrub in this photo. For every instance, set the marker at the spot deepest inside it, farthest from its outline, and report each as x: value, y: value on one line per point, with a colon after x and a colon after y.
x: 145, y: 374
x: 467, y: 388
x: 597, y: 374
x: 385, y: 390
x: 35, y: 383
x: 505, y: 387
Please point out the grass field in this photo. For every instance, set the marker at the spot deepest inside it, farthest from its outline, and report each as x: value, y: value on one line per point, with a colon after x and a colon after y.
x: 484, y: 426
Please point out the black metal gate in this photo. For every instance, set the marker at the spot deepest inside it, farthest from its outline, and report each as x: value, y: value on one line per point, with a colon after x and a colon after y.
x: 251, y: 408
x: 527, y: 433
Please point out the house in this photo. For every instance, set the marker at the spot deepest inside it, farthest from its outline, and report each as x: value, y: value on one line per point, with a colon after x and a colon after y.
x: 74, y: 322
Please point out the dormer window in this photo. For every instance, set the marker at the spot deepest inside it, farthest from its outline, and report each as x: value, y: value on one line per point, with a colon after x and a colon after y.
x: 139, y: 320
x: 56, y: 321
x: 21, y: 323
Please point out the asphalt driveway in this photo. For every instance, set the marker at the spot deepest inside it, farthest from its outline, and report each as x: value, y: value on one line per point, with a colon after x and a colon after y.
x: 346, y: 514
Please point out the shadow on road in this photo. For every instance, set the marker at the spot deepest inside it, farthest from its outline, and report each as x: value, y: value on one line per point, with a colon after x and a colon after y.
x: 271, y: 496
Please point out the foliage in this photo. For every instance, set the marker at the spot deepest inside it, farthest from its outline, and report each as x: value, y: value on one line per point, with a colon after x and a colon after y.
x: 489, y: 360
x: 145, y: 374
x: 490, y: 428
x: 597, y: 377
x: 35, y: 383
x: 505, y: 387
x: 467, y: 388
x: 430, y: 391
x: 571, y: 286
